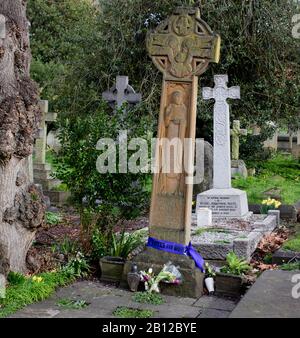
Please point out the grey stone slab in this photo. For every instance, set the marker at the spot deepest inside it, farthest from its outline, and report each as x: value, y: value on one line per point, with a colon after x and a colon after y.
x: 213, y: 251
x: 270, y: 296
x: 213, y: 313
x: 216, y: 303
x: 281, y: 257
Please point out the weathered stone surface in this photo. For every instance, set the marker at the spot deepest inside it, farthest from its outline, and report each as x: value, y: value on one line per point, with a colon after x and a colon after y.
x: 216, y: 303
x: 270, y: 297
x: 120, y: 93
x: 216, y: 251
x: 206, y: 159
x: 224, y: 203
x: 238, y: 167
x: 285, y: 256
x: 192, y: 276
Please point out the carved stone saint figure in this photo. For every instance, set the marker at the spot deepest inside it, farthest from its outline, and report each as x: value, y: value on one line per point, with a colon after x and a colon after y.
x: 171, y: 178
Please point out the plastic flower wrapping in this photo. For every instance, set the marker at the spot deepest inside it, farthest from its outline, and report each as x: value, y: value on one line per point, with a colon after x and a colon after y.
x: 169, y: 274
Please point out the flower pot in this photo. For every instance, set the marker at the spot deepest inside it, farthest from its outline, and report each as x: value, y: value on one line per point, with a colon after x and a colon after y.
x: 210, y: 284
x: 111, y: 268
x: 229, y: 285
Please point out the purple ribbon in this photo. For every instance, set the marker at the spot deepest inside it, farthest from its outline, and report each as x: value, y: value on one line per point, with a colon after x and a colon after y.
x: 179, y: 249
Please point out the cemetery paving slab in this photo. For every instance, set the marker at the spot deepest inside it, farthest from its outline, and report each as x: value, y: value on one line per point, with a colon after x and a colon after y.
x: 102, y: 300
x: 270, y: 297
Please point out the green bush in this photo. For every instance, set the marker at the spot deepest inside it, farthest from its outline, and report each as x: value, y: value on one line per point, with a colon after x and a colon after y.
x: 125, y: 192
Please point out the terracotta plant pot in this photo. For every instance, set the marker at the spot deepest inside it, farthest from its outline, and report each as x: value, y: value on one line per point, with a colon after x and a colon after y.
x: 111, y: 268
x: 229, y: 285
x: 210, y: 284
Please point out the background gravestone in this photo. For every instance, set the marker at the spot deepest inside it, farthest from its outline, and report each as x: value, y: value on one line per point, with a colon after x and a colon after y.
x: 207, y: 174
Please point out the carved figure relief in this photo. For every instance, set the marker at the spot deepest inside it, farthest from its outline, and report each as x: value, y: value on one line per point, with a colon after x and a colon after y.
x: 174, y: 126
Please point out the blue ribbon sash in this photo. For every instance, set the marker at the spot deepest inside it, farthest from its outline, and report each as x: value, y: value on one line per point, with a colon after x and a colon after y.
x: 179, y: 249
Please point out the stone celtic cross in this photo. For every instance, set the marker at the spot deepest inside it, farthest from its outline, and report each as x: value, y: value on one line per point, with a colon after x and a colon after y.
x: 236, y: 132
x: 222, y: 159
x: 120, y: 93
x: 181, y: 47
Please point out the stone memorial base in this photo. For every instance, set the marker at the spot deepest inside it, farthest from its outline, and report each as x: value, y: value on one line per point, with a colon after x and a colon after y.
x: 225, y: 203
x: 192, y: 285
x: 238, y: 167
x: 238, y: 236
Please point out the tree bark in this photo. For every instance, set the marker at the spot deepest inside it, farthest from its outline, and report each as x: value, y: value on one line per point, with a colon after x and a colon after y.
x: 21, y: 202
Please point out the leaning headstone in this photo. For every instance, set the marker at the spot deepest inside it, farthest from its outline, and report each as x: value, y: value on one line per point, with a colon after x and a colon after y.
x: 238, y: 167
x: 223, y: 200
x: 120, y: 93
x: 181, y: 48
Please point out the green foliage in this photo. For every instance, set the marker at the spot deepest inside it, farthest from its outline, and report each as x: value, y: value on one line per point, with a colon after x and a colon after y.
x: 280, y: 172
x: 209, y: 271
x: 148, y: 298
x: 52, y: 218
x: 235, y: 265
x: 292, y: 244
x: 15, y: 278
x: 67, y: 247
x: 291, y: 266
x: 77, y: 266
x: 126, y: 312
x: 24, y: 291
x: 77, y: 163
x: 115, y: 245
x: 72, y: 304
x: 268, y: 258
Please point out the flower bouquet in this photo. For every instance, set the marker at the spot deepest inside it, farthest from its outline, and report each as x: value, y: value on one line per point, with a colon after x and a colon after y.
x: 169, y: 274
x: 269, y: 204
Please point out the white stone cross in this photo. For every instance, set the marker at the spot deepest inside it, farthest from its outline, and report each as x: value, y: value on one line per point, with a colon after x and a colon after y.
x: 222, y: 159
x: 120, y: 93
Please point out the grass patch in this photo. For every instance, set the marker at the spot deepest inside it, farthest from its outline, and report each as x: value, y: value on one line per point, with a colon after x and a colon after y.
x: 292, y: 244
x: 290, y: 266
x: 280, y: 172
x: 126, y: 312
x: 148, y: 298
x: 72, y: 304
x: 23, y: 291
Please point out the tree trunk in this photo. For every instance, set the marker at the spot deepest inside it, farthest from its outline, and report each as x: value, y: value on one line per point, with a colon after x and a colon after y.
x: 21, y: 202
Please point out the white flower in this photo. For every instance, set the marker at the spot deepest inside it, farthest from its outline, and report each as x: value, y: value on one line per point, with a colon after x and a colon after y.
x: 150, y: 271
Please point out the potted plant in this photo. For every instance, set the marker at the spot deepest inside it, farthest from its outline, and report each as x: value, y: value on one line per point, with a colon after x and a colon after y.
x: 230, y: 278
x: 210, y: 274
x: 115, y: 250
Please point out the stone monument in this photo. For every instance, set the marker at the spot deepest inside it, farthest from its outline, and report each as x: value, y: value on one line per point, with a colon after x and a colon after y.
x: 41, y: 169
x: 181, y: 47
x: 120, y: 93
x: 238, y: 167
x: 223, y: 200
